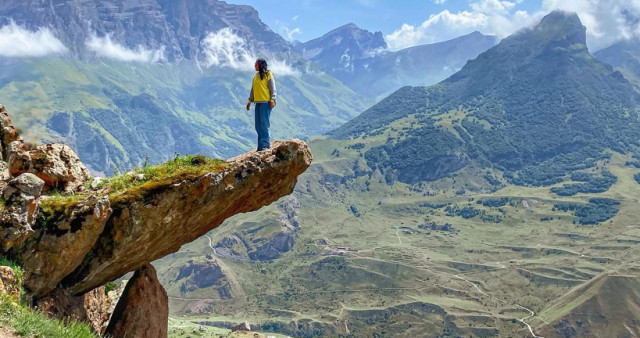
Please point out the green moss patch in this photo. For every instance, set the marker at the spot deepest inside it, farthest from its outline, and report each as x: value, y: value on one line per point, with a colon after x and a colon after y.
x: 135, y: 185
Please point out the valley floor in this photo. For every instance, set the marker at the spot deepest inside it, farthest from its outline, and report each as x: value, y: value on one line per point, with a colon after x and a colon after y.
x: 404, y: 261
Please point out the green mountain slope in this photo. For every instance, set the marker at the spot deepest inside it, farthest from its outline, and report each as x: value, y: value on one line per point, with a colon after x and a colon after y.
x: 537, y: 106
x: 116, y: 114
x: 624, y: 56
x: 607, y: 306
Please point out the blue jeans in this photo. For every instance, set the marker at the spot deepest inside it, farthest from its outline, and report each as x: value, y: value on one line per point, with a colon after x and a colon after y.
x: 263, y: 112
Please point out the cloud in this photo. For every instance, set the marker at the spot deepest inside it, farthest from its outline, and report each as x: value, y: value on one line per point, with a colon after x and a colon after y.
x: 607, y: 21
x: 493, y: 17
x: 289, y: 34
x: 224, y: 48
x: 17, y: 41
x: 438, y: 27
x: 286, y: 32
x: 105, y: 47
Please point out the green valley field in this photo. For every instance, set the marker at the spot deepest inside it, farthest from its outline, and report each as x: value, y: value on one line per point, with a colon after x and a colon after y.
x: 369, y: 258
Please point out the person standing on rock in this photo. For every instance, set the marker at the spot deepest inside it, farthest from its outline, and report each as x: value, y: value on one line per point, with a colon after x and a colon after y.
x: 263, y: 94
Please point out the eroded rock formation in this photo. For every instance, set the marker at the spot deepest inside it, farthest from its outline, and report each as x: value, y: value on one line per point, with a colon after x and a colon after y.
x: 56, y: 164
x: 19, y: 209
x: 70, y: 246
x: 143, y: 309
x: 146, y: 229
x: 62, y: 244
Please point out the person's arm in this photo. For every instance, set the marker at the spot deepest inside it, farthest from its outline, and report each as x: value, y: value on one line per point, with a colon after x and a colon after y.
x: 272, y: 88
x: 250, y: 98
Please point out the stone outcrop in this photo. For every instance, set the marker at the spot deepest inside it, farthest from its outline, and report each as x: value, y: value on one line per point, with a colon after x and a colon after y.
x: 143, y: 309
x: 62, y: 244
x: 198, y: 275
x: 19, y: 210
x: 56, y: 164
x: 9, y: 283
x: 241, y: 327
x: 148, y: 228
x: 8, y: 132
x: 70, y: 246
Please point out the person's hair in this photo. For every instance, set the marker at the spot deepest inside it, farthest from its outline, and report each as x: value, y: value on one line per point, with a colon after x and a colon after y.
x: 262, y: 67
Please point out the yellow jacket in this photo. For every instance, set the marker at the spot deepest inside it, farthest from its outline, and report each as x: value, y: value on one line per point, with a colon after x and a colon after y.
x: 263, y: 90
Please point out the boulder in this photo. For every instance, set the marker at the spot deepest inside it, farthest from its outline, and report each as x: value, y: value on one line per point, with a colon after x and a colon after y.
x: 19, y: 210
x: 29, y: 184
x: 62, y: 243
x: 241, y: 327
x: 8, y: 133
x: 56, y: 164
x: 202, y: 275
x: 4, y: 171
x: 159, y: 221
x: 9, y: 283
x: 143, y: 308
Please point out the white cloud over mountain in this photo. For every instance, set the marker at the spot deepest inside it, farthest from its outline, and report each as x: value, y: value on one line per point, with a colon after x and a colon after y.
x: 17, y: 41
x: 607, y: 21
x: 225, y: 48
x: 105, y: 47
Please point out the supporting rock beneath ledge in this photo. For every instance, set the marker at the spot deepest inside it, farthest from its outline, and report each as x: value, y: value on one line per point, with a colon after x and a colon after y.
x: 143, y: 308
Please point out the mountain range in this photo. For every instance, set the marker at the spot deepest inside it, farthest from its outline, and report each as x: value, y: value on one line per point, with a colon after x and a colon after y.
x: 499, y: 202
x: 625, y: 56
x: 495, y: 111
x: 191, y: 68
x: 362, y: 60
x: 176, y: 27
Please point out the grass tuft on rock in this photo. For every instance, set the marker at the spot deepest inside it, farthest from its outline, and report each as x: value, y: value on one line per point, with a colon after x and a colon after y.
x: 139, y: 182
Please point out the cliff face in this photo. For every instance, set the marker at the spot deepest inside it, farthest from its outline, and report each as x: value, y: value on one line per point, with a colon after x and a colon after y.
x: 174, y: 26
x: 72, y: 244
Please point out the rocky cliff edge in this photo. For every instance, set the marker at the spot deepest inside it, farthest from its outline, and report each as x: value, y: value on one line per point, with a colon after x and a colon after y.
x: 73, y: 233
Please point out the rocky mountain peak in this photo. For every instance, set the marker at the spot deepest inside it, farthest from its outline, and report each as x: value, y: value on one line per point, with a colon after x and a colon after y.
x: 564, y: 26
x: 340, y: 47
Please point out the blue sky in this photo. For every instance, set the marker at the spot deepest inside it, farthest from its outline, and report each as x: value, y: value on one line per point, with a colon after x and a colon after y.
x: 316, y: 17
x: 406, y: 23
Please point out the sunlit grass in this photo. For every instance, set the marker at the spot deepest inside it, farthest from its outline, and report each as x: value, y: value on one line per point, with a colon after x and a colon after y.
x: 29, y: 322
x: 139, y: 182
